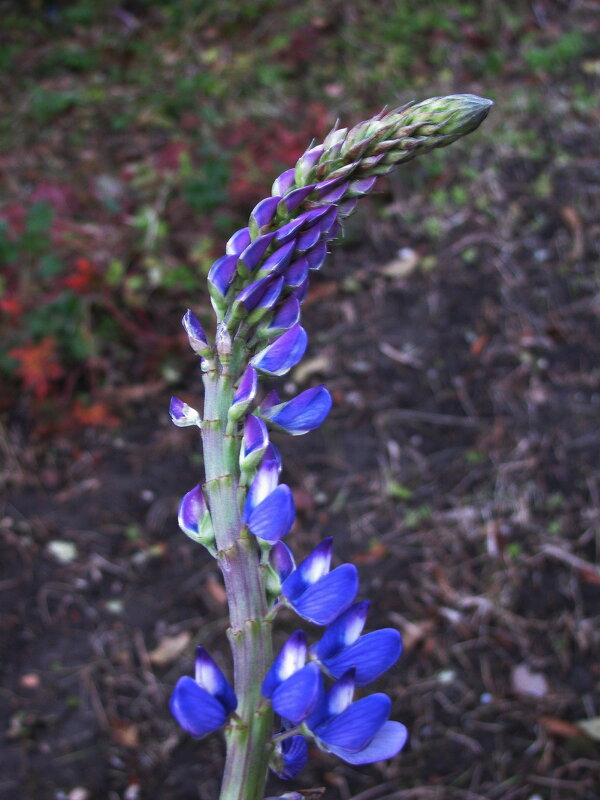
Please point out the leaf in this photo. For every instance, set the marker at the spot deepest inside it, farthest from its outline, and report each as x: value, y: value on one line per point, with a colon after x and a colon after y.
x: 591, y: 727
x: 169, y: 648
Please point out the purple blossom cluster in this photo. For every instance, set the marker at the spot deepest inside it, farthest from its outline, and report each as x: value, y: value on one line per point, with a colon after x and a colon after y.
x: 360, y: 731
x: 244, y: 513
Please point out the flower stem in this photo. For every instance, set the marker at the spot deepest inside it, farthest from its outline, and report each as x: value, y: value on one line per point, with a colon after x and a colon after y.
x: 248, y: 745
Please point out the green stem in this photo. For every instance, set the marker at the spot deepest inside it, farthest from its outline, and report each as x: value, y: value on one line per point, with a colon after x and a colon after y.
x: 248, y: 739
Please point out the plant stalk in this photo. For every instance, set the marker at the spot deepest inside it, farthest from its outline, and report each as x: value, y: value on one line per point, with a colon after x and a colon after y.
x: 248, y: 745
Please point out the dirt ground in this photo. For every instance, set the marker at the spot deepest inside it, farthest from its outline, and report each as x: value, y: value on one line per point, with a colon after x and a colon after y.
x: 459, y: 469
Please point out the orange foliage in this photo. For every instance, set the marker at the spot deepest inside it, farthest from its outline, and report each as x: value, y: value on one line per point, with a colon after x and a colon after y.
x: 39, y: 365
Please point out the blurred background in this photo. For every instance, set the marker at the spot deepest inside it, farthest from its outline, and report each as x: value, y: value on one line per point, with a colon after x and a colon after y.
x: 456, y: 326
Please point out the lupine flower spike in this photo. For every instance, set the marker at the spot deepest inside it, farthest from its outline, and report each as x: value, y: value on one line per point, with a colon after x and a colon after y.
x: 241, y: 512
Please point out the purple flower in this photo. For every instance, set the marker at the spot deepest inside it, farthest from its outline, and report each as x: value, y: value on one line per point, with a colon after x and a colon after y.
x: 306, y: 164
x: 293, y: 754
x: 220, y: 277
x: 283, y: 183
x: 202, y: 705
x: 293, y: 686
x: 254, y: 442
x: 282, y: 561
x: 315, y: 593
x: 287, y: 315
x: 245, y: 393
x: 303, y: 413
x: 276, y: 263
x: 238, y: 242
x: 317, y: 256
x: 297, y: 272
x: 196, y: 335
x: 359, y: 732
x: 251, y: 296
x: 272, y: 519
x: 194, y: 518
x: 342, y: 647
x: 183, y: 415
x: 263, y: 214
x: 265, y: 482
x: 287, y: 232
x: 295, y: 197
x: 282, y: 354
x: 308, y: 239
x: 252, y: 254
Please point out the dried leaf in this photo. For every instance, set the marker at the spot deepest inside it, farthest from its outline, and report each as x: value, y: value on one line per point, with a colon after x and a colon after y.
x: 591, y: 727
x: 125, y: 734
x: 169, y: 649
x: 559, y: 727
x: 403, y: 265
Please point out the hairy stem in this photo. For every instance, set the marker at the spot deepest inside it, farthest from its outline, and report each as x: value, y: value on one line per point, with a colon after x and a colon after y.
x: 248, y: 746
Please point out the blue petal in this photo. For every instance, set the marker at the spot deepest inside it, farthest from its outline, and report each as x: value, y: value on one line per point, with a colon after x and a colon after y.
x: 238, y: 242
x: 296, y: 697
x: 387, y: 742
x: 301, y: 291
x: 289, y: 230
x: 310, y: 570
x: 197, y: 711
x: 354, y: 728
x: 303, y: 413
x: 283, y: 183
x: 297, y: 272
x: 344, y: 631
x: 341, y: 694
x: 307, y: 162
x: 263, y: 213
x: 371, y: 656
x: 317, y: 255
x: 336, y: 194
x: 246, y: 390
x: 256, y: 436
x: 191, y: 511
x: 251, y: 296
x: 253, y: 253
x: 272, y: 519
x: 283, y: 354
x: 294, y: 198
x: 209, y: 676
x: 328, y: 220
x: 362, y: 185
x: 181, y: 414
x: 278, y: 260
x: 271, y: 295
x: 326, y: 599
x: 295, y: 755
x: 344, y: 210
x: 221, y: 273
x: 308, y: 239
x: 282, y: 560
x: 288, y: 314
x: 291, y: 658
x: 264, y: 483
x: 195, y: 331
x: 271, y: 399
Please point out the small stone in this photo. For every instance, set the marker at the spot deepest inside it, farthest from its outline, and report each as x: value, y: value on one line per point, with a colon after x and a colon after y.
x: 525, y: 681
x: 63, y: 552
x: 79, y: 793
x: 30, y: 680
